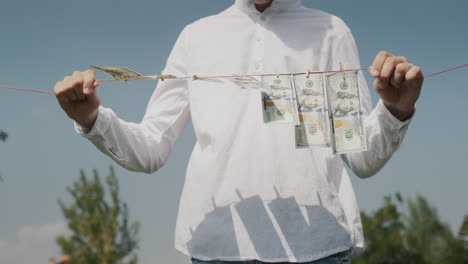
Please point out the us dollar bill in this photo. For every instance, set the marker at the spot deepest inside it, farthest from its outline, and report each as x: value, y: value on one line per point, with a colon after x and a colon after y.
x: 279, y: 103
x: 118, y: 73
x: 314, y: 124
x: 345, y: 112
x: 250, y: 83
x: 126, y: 74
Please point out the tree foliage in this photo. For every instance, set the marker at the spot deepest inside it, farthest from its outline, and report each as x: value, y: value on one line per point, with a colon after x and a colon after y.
x: 100, y: 229
x: 3, y: 135
x: 409, y: 232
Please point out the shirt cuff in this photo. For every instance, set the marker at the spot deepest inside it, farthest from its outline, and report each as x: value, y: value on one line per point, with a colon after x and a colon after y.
x: 389, y: 120
x: 392, y: 126
x: 101, y: 125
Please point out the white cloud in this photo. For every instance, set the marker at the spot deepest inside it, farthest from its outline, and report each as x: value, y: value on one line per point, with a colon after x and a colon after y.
x: 33, y: 244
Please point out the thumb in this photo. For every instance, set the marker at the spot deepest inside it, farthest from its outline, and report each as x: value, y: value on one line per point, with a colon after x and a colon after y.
x: 92, y: 90
x: 92, y: 96
x: 377, y: 87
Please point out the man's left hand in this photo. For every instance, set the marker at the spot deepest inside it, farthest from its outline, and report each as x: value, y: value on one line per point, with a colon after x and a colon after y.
x: 398, y: 83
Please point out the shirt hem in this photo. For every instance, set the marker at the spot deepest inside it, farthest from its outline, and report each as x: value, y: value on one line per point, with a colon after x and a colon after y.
x: 354, y: 252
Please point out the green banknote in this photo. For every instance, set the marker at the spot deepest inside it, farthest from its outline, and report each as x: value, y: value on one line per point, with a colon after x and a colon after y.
x: 118, y: 73
x: 279, y: 103
x: 125, y: 74
x: 345, y: 109
x: 314, y: 127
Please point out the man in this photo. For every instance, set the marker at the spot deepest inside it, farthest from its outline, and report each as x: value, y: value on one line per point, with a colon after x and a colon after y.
x: 249, y: 194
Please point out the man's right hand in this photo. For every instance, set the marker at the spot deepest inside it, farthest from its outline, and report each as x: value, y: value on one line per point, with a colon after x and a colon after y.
x: 77, y: 96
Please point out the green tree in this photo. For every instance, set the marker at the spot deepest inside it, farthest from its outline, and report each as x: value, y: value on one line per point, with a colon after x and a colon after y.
x: 99, y: 224
x: 3, y: 135
x: 409, y: 232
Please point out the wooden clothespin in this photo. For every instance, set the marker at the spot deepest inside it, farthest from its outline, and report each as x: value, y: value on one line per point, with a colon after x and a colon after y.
x: 342, y: 70
x: 195, y: 77
x: 308, y: 73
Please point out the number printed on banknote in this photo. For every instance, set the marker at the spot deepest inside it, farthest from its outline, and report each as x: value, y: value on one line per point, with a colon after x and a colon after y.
x: 314, y: 127
x: 345, y: 109
x: 279, y: 101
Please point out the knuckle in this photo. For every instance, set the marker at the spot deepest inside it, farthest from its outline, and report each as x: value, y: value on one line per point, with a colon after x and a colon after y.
x: 411, y: 77
x: 57, y: 89
x: 384, y: 53
x: 392, y: 60
x: 419, y: 73
x: 61, y: 90
x: 401, y: 67
x: 77, y: 80
x: 90, y: 76
x: 76, y: 73
x: 385, y: 76
x: 89, y: 71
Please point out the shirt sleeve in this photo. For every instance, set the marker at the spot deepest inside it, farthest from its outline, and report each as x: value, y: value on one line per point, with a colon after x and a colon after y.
x: 384, y: 132
x: 146, y: 146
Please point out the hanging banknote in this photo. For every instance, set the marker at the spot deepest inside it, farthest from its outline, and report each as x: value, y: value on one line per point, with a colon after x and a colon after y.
x: 279, y: 101
x: 345, y: 109
x: 249, y: 83
x: 122, y: 73
x: 314, y: 127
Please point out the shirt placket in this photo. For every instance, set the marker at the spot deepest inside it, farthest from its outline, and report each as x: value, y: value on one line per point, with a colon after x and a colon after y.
x: 258, y: 50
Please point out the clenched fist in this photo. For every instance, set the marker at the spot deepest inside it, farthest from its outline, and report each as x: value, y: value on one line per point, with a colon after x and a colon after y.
x: 398, y: 83
x: 77, y: 96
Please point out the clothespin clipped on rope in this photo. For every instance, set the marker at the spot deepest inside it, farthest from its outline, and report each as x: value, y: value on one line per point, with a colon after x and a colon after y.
x: 308, y: 73
x: 164, y: 77
x: 195, y: 77
x: 342, y: 70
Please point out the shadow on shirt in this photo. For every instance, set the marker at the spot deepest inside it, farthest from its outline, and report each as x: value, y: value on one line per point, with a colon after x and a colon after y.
x: 216, y: 236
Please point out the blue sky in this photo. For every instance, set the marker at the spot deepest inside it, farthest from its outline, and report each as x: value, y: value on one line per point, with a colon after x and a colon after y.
x: 42, y: 41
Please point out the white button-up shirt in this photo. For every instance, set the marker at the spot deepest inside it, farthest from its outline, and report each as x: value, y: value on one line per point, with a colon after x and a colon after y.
x: 249, y: 193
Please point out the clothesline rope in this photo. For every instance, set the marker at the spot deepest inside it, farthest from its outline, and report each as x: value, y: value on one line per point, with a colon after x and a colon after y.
x: 249, y: 75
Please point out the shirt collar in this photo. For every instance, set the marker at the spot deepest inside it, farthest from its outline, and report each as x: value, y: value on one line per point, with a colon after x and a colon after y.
x: 276, y: 6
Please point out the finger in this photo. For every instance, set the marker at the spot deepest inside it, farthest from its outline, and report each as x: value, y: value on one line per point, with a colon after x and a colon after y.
x: 399, y: 74
x: 379, y: 61
x: 377, y: 86
x: 403, y: 58
x: 68, y: 88
x: 414, y: 75
x: 387, y: 71
x: 59, y: 93
x: 78, y: 84
x: 89, y: 80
